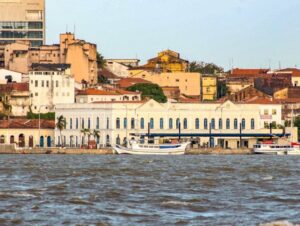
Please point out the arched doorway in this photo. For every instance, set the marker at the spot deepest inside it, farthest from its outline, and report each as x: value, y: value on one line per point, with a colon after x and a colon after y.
x: 42, y: 141
x: 21, y: 140
x: 31, y: 141
x: 2, y: 139
x: 12, y: 139
x: 48, y: 141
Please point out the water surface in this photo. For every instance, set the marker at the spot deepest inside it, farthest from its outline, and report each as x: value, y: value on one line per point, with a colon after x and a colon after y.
x: 146, y: 190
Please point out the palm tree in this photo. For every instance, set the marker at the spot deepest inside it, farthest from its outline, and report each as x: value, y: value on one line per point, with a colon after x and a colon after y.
x: 60, y: 125
x: 96, y: 134
x: 85, y: 132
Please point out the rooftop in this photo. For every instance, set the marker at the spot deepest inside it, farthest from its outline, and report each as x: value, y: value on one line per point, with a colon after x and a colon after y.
x: 50, y: 67
x: 26, y: 124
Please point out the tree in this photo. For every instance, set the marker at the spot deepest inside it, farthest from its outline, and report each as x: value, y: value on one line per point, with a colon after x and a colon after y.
x: 85, y: 132
x: 100, y: 61
x: 61, y: 125
x: 96, y: 134
x: 205, y: 68
x: 297, y: 123
x: 149, y: 90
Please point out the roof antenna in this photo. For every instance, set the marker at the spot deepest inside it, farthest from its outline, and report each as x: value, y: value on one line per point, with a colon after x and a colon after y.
x: 74, y: 28
x: 67, y: 28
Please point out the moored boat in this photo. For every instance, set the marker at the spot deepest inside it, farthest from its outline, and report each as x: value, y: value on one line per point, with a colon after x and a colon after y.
x: 152, y: 149
x: 276, y: 149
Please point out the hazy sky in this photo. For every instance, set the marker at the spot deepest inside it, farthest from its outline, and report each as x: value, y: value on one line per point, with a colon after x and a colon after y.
x: 251, y: 33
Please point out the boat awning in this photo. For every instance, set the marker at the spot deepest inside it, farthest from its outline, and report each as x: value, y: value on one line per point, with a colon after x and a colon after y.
x: 256, y: 135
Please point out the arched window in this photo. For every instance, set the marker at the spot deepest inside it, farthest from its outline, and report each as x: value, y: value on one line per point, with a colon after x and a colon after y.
x: 252, y: 124
x: 2, y: 139
x: 197, y: 123
x: 235, y: 124
x: 76, y: 123
x: 220, y: 123
x: 228, y: 123
x: 98, y: 123
x: 170, y: 123
x: 89, y: 123
x: 82, y: 123
x: 142, y: 123
x: 213, y: 123
x: 125, y: 123
x: 177, y: 123
x: 185, y: 123
x: 205, y: 123
x: 71, y: 123
x: 151, y: 123
x: 243, y: 123
x: 118, y: 124
x: 107, y: 123
x: 132, y: 123
x: 161, y: 123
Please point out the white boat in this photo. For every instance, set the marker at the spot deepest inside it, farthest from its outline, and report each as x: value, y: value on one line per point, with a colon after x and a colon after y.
x: 276, y: 149
x: 152, y: 149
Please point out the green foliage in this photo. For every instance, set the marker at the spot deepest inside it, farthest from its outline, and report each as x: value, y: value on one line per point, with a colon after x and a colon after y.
x: 61, y: 123
x: 100, y: 61
x: 152, y: 91
x: 222, y: 89
x: 102, y: 80
x: 297, y: 123
x: 47, y: 116
x: 205, y: 68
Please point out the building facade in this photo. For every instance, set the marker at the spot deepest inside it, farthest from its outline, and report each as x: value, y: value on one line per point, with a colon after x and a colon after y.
x: 218, y: 123
x: 50, y: 84
x: 22, y: 20
x: 209, y: 87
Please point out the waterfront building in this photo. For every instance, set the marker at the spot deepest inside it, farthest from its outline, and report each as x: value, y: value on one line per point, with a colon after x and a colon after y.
x: 95, y: 95
x: 246, y: 94
x: 294, y: 72
x: 289, y: 92
x: 14, y: 99
x: 27, y: 133
x: 225, y: 124
x: 81, y: 55
x: 22, y: 20
x: 50, y: 84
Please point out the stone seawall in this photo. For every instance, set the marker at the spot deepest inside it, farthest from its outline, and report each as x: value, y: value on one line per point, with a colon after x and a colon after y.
x: 58, y: 151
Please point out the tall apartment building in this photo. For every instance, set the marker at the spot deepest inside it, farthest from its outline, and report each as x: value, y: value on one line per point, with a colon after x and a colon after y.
x: 22, y: 20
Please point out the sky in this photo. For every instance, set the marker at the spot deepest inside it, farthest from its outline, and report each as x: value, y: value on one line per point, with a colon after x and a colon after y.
x: 229, y: 33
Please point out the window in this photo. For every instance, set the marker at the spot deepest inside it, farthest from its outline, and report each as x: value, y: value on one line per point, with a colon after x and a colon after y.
x: 43, y: 83
x: 235, y: 124
x: 213, y: 123
x: 76, y: 123
x: 151, y: 123
x: 71, y: 123
x: 89, y: 123
x: 228, y: 123
x: 47, y: 83
x: 161, y: 123
x: 36, y: 94
x: 132, y: 123
x: 118, y: 124
x: 243, y: 123
x: 185, y: 123
x: 205, y: 124
x: 197, y: 123
x: 125, y: 123
x: 252, y: 124
x: 170, y: 123
x: 266, y: 112
x: 142, y: 123
x: 56, y: 82
x: 220, y: 123
x: 274, y: 112
x: 177, y: 123
x: 36, y: 82
x: 107, y: 123
x: 82, y: 124
x: 98, y: 123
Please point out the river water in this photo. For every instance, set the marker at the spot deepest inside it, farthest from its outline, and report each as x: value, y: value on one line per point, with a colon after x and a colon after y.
x: 146, y: 190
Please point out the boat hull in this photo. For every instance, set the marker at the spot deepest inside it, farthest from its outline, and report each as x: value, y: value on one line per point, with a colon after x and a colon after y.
x: 140, y: 151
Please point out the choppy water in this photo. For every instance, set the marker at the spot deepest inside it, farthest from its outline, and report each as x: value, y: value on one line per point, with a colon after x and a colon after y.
x: 131, y: 190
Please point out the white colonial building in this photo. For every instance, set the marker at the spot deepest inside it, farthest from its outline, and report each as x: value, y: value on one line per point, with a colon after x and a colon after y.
x: 225, y: 124
x: 50, y: 84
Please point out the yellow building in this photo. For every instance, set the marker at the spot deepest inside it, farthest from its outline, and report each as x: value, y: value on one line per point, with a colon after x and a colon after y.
x: 209, y: 87
x: 188, y: 83
x: 166, y: 61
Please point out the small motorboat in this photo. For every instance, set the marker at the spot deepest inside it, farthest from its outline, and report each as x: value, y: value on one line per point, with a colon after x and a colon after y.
x: 152, y: 149
x: 276, y: 149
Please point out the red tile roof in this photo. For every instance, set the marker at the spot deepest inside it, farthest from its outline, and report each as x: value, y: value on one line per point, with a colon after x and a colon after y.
x: 26, y: 124
x: 238, y: 71
x: 294, y: 71
x: 21, y: 87
x: 127, y: 82
x: 104, y: 92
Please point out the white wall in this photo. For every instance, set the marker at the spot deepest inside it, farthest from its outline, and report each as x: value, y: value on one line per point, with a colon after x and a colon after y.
x: 16, y: 76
